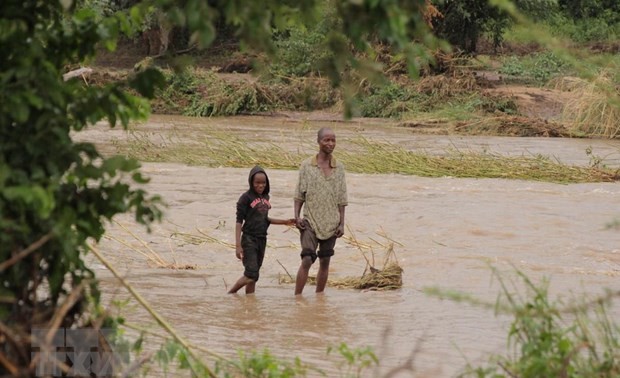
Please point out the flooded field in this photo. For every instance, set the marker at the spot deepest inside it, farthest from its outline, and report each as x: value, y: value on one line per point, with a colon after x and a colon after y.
x: 447, y: 233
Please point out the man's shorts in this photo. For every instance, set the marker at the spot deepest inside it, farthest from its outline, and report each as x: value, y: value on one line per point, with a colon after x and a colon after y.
x: 253, y: 254
x: 309, y: 244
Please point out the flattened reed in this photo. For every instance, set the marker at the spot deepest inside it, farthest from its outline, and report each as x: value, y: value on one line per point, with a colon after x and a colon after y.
x: 388, y: 158
x: 362, y: 155
x: 153, y: 258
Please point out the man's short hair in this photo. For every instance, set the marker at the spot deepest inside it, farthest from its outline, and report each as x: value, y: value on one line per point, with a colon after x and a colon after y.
x: 321, y: 132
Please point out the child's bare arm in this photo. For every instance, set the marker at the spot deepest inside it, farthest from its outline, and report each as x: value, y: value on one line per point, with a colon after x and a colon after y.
x: 238, y: 249
x: 288, y: 222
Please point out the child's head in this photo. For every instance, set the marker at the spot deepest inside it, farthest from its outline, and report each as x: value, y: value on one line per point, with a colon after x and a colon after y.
x: 259, y: 182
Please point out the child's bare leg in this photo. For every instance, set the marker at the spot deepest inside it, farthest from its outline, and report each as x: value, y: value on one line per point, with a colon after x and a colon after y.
x: 302, y: 274
x: 321, y: 276
x: 241, y: 282
x: 250, y: 287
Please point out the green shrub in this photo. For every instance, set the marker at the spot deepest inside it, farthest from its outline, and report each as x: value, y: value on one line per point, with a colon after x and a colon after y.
x: 538, y: 68
x: 303, y: 50
x: 356, y: 360
x: 389, y: 100
x: 299, y: 54
x: 258, y: 365
x: 585, y: 30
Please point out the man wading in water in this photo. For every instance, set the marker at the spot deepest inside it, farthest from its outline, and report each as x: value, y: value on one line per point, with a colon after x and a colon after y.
x: 322, y: 192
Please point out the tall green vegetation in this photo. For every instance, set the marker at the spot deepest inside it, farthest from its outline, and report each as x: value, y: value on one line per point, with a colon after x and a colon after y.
x: 591, y: 21
x: 570, y: 337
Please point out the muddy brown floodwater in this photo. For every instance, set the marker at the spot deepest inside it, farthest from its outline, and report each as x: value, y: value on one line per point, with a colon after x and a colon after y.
x: 449, y: 233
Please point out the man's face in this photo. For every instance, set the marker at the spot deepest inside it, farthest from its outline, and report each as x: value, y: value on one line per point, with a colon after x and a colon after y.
x: 327, y: 143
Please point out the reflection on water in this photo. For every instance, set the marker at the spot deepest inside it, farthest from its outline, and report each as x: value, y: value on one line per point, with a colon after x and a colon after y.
x: 450, y: 232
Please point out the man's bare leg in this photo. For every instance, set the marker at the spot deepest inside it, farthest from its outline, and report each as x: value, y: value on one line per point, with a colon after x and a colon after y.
x: 302, y: 274
x: 321, y: 276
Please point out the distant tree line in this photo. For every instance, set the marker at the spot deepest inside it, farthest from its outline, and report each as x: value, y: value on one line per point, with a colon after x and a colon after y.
x: 462, y: 22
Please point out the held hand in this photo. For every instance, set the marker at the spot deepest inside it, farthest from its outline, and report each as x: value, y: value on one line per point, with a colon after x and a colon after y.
x: 340, y: 230
x: 299, y: 222
x: 239, y: 252
x: 291, y: 222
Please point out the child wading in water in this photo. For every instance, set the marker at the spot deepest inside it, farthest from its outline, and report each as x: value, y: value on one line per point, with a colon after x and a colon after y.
x: 251, y: 229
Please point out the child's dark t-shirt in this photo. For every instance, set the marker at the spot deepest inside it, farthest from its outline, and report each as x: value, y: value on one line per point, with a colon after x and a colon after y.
x: 252, y: 212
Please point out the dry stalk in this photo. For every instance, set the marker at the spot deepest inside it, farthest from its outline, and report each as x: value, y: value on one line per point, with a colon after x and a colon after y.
x: 287, y: 273
x: 153, y: 255
x: 154, y: 259
x: 53, y: 326
x: 201, y: 238
x: 8, y: 365
x: 15, y: 339
x: 62, y: 311
x: 25, y: 252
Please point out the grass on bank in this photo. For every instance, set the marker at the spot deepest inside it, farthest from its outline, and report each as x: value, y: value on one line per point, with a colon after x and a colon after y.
x: 457, y: 97
x: 205, y: 93
x: 595, y: 108
x: 360, y: 155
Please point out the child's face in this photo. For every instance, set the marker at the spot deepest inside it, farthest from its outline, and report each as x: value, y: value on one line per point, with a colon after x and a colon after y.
x: 259, y: 181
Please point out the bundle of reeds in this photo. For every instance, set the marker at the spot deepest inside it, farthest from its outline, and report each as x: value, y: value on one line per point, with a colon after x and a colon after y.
x: 387, y: 278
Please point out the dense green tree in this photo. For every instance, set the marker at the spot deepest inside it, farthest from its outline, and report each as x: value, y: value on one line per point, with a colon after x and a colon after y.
x: 56, y: 194
x: 579, y: 9
x: 464, y: 22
